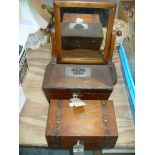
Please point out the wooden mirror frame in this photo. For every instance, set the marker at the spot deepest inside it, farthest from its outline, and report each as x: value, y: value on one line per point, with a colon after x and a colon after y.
x: 56, y: 41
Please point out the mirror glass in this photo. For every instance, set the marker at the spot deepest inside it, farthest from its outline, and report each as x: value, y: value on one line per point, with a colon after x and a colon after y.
x: 83, y: 33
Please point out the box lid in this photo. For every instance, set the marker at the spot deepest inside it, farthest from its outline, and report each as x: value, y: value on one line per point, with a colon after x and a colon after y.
x: 99, y: 78
x: 93, y: 123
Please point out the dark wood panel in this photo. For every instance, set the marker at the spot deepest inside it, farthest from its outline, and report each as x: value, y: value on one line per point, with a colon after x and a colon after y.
x: 86, y: 95
x: 76, y: 42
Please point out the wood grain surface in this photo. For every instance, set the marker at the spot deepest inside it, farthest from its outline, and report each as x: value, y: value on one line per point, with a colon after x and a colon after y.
x: 93, y: 124
x: 33, y: 117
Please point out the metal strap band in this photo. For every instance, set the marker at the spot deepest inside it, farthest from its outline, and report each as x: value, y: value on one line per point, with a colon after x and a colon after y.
x: 58, y: 121
x: 105, y: 118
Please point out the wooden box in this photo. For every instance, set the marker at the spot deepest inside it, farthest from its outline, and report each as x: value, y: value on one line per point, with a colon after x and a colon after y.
x: 94, y: 124
x: 95, y: 84
x: 73, y: 38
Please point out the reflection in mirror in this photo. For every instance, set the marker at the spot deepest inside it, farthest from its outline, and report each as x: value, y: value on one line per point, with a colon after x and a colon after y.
x: 83, y: 33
